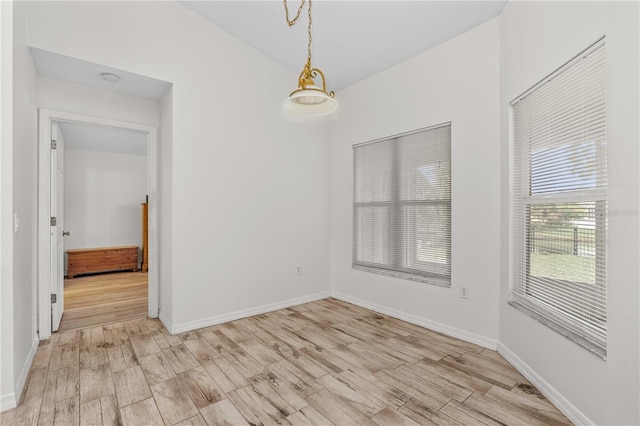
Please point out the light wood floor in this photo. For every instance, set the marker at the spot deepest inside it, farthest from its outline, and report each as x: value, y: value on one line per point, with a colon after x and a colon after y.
x: 323, y: 363
x: 92, y: 300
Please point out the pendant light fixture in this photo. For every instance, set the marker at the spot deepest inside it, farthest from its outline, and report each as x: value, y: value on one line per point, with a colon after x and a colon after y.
x: 309, y: 99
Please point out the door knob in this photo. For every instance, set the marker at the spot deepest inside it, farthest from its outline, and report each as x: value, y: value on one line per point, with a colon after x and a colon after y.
x: 65, y: 233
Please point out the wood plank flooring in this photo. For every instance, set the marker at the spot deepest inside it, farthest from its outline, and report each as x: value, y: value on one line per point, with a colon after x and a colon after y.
x: 322, y: 363
x: 93, y: 300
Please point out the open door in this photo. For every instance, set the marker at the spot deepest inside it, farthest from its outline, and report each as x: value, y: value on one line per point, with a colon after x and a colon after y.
x: 57, y: 226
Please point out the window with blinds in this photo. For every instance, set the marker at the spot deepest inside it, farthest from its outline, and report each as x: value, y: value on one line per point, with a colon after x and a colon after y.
x: 560, y: 200
x: 402, y: 205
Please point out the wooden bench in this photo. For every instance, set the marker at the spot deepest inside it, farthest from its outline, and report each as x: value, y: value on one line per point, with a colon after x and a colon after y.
x: 101, y: 259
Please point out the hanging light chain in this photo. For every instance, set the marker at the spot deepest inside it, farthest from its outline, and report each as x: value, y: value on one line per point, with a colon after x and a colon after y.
x: 308, y: 74
x: 309, y: 32
x: 293, y: 21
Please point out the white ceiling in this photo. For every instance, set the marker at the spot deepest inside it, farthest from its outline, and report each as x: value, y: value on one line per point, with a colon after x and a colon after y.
x: 351, y: 39
x: 66, y: 68
x: 105, y: 139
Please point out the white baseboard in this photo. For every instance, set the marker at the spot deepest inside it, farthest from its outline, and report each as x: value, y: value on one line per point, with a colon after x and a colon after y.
x: 10, y: 401
x: 458, y: 333
x: 566, y: 407
x: 165, y: 321
x: 26, y: 367
x: 231, y: 316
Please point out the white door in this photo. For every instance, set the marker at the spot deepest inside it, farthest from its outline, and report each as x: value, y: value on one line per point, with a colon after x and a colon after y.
x: 57, y: 211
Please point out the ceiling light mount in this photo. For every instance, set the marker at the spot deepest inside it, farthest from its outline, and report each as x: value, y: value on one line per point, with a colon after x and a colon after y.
x: 110, y: 77
x: 309, y: 99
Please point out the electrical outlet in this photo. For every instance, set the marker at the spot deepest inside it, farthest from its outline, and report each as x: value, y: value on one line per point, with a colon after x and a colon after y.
x: 16, y: 222
x: 464, y: 292
x: 298, y: 271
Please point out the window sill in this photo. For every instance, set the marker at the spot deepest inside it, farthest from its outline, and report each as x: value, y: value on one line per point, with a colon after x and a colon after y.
x: 442, y: 282
x: 592, y: 347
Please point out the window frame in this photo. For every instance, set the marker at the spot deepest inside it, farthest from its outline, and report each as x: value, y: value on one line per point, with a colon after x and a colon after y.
x: 396, y: 206
x: 521, y: 237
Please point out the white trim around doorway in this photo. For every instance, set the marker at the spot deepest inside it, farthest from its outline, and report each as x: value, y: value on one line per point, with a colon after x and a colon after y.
x: 46, y: 116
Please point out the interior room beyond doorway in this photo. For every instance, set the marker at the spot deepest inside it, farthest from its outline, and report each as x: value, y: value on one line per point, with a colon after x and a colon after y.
x: 105, y: 186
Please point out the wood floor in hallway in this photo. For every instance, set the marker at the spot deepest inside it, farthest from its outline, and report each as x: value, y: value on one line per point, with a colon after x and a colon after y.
x: 92, y: 300
x: 324, y: 363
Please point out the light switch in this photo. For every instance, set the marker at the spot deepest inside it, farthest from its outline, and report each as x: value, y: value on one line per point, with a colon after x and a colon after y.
x: 16, y: 222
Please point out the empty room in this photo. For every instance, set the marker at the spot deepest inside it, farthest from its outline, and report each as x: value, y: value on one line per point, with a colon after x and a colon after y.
x: 327, y: 212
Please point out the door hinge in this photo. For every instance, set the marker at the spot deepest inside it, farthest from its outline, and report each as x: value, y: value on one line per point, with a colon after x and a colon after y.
x: 54, y: 144
x: 53, y: 221
x: 54, y: 298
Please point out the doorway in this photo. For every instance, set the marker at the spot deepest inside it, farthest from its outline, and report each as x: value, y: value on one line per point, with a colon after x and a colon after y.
x: 51, y: 283
x: 104, y: 198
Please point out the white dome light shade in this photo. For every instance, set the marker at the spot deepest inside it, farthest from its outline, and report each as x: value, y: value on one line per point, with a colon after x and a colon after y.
x: 310, y: 95
x: 308, y: 102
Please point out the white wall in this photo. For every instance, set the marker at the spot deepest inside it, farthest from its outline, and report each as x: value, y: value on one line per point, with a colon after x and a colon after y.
x: 249, y: 190
x: 80, y: 99
x: 7, y: 396
x: 19, y: 171
x: 538, y: 37
x: 457, y: 81
x: 102, y: 196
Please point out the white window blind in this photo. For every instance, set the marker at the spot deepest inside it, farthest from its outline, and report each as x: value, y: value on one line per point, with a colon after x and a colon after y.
x: 560, y: 200
x: 402, y: 205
